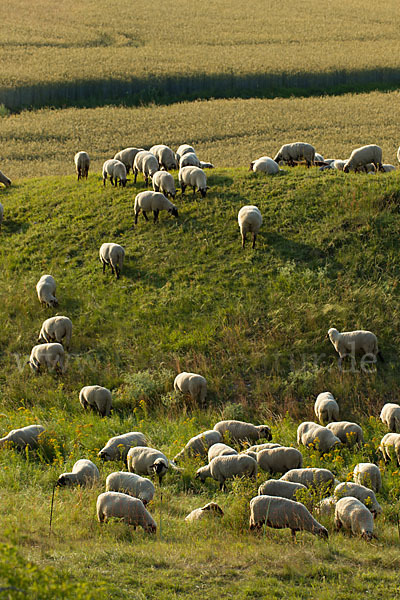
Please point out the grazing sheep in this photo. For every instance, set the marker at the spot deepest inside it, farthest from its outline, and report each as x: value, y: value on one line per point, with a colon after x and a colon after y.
x: 362, y: 493
x: 194, y: 177
x: 116, y: 170
x: 310, y: 477
x: 281, y: 513
x: 199, y: 444
x: 147, y: 461
x: 127, y: 156
x: 347, y: 432
x: 189, y: 160
x: 240, y: 431
x: 309, y: 433
x: 390, y: 416
x: 339, y: 164
x: 50, y: 356
x: 131, y: 484
x: 113, y: 255
x: 364, y: 155
x: 222, y: 468
x: 117, y: 447
x: 295, y: 152
x: 390, y: 440
x: 265, y: 164
x: 326, y: 506
x: 46, y: 289
x: 5, y: 180
x: 220, y: 450
x: 279, y: 460
x: 56, y: 329
x: 326, y: 408
x: 183, y: 149
x: 84, y: 472
x: 165, y: 156
x: 146, y: 163
x: 24, y: 437
x: 82, y: 163
x: 122, y: 506
x: 318, y: 157
x: 97, y: 398
x: 250, y: 220
x: 283, y: 489
x: 210, y: 509
x: 267, y: 446
x: 155, y: 201
x: 193, y: 384
x: 351, y: 514
x: 369, y: 475
x: 353, y: 342
x: 164, y: 182
x: 388, y: 168
x: 206, y: 165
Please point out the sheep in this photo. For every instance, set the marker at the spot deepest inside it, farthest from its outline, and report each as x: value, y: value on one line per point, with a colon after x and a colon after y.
x: 326, y: 408
x: 50, y: 356
x: 96, y: 397
x: 189, y: 160
x: 326, y: 506
x: 362, y: 493
x: 82, y: 163
x: 121, y: 506
x: 364, y: 155
x: 146, y: 163
x: 56, y: 329
x: 116, y: 170
x: 155, y: 201
x: 25, y: 437
x: 193, y: 384
x: 84, y: 473
x: 46, y: 289
x: 267, y: 446
x: 279, y: 460
x: 222, y: 468
x: 220, y: 450
x: 390, y: 440
x: 240, y: 431
x: 339, y: 164
x: 347, y: 432
x: 207, y: 510
x: 353, y: 342
x: 281, y: 513
x: 147, y: 461
x: 131, y: 484
x: 369, y: 475
x: 194, y: 177
x: 309, y: 433
x: 351, y: 514
x: 206, y: 165
x: 311, y: 478
x: 183, y: 149
x: 113, y: 255
x: 5, y: 180
x: 296, y: 151
x: 283, y: 489
x: 199, y: 444
x: 165, y: 156
x: 164, y: 182
x: 117, y: 447
x: 390, y: 416
x: 250, y: 220
x: 388, y: 168
x: 318, y: 157
x: 127, y: 156
x: 265, y: 164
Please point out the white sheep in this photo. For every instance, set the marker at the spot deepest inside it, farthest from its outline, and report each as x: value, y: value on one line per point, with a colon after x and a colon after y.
x: 210, y: 509
x: 131, y: 484
x: 50, y: 356
x: 121, y: 506
x: 46, y: 290
x: 318, y: 157
x: 240, y: 431
x: 364, y: 155
x: 183, y: 149
x: 369, y: 475
x: 5, y: 180
x: 200, y: 444
x: 194, y: 177
x: 309, y: 433
x: 310, y: 477
x: 155, y: 201
x: 326, y: 408
x: 113, y: 255
x: 390, y: 440
x: 250, y: 220
x: 347, y: 432
x: 116, y: 171
x: 56, y: 329
x: 82, y: 163
x: 281, y: 513
x: 353, y: 342
x: 390, y: 416
x: 117, y: 447
x: 388, y: 168
x: 164, y: 182
x: 326, y: 506
x: 267, y: 446
x: 165, y: 156
x: 279, y: 460
x: 219, y: 450
x: 189, y: 160
x: 127, y: 156
x: 24, y: 437
x: 295, y: 152
x: 352, y: 515
x: 193, y: 384
x: 147, y: 461
x: 265, y: 164
x: 206, y: 165
x: 283, y: 489
x: 362, y: 493
x: 222, y: 468
x: 96, y: 397
x: 145, y: 162
x: 84, y: 472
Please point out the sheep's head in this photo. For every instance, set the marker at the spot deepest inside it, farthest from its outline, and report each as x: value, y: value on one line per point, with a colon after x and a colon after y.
x: 203, y: 191
x: 323, y: 532
x: 202, y: 473
x: 173, y: 211
x: 333, y: 334
x: 213, y: 507
x: 159, y: 467
x: 122, y: 182
x: 103, y: 454
x: 150, y: 528
x: 346, y: 169
x: 265, y: 432
x: 63, y: 480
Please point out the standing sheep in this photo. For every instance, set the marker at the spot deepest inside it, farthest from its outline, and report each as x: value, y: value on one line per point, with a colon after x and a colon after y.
x: 164, y: 182
x: 46, y: 289
x: 117, y: 447
x: 390, y: 440
x: 240, y: 431
x: 353, y: 342
x: 24, y: 437
x: 210, y: 509
x: 96, y: 397
x: 189, y: 160
x: 131, y: 484
x: 369, y: 475
x: 116, y: 170
x: 194, y: 177
x: 147, y: 461
x: 309, y: 433
x: 222, y: 468
x: 165, y: 156
x: 121, y: 506
x: 311, y: 478
x: 267, y: 446
x: 390, y: 416
x: 250, y: 220
x: 279, y: 460
x: 265, y: 164
x: 295, y: 152
x: 220, y: 450
x: 362, y: 493
x: 56, y: 329
x: 82, y: 163
x: 183, y: 149
x: 146, y: 163
x: 50, y: 356
x: 127, y: 156
x: 200, y: 444
x: 113, y: 255
x: 155, y: 201
x: 84, y: 473
x: 193, y: 384
x: 360, y: 157
x: 5, y: 180
x: 347, y: 432
x: 283, y: 489
x: 326, y: 408
x: 351, y: 514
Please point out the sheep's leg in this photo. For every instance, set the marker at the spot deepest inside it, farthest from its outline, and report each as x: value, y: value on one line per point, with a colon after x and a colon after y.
x: 146, y: 179
x: 243, y: 239
x: 135, y: 176
x: 112, y: 269
x: 113, y: 182
x: 104, y: 179
x: 155, y: 212
x: 254, y: 240
x: 117, y: 271
x: 104, y: 267
x: 293, y: 532
x: 145, y: 215
x: 156, y: 188
x: 194, y: 190
x: 183, y: 188
x: 136, y: 215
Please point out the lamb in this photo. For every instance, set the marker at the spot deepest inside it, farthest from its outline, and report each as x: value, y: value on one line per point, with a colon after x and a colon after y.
x: 283, y: 489
x: 220, y: 450
x: 390, y: 440
x: 127, y: 156
x: 347, y: 432
x: 222, y: 468
x: 240, y: 431
x: 309, y: 433
x: 207, y: 510
x: 116, y: 170
x: 250, y: 220
x: 194, y: 177
x: 50, y: 356
x: 82, y: 163
x: 113, y: 255
x: 326, y: 408
x: 199, y: 444
x: 155, y: 201
x: 84, y: 473
x: 96, y: 397
x: 117, y: 447
x: 265, y: 164
x: 56, y: 329
x: 280, y: 513
x: 390, y: 416
x: 25, y: 437
x: 146, y: 163
x: 279, y: 460
x: 364, y: 155
x: 206, y: 165
x: 4, y: 180
x: 165, y: 156
x: 369, y: 475
x: 183, y: 149
x: 46, y: 290
x: 147, y: 461
x: 164, y: 182
x: 189, y: 160
x: 131, y: 484
x: 311, y: 478
x: 296, y: 151
x: 193, y: 384
x: 122, y: 506
x: 351, y: 514
x: 362, y: 493
x: 353, y: 342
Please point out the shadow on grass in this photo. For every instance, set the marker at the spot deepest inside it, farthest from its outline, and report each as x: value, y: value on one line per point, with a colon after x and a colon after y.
x: 299, y: 252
